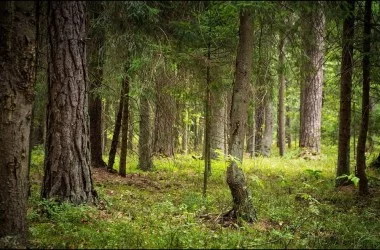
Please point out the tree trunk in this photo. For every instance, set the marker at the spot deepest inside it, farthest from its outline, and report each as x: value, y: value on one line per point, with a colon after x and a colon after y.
x: 131, y: 126
x: 96, y: 62
x: 116, y: 132
x: 360, y: 161
x: 184, y: 133
x: 281, y: 97
x: 313, y: 41
x: 238, y: 117
x: 243, y: 206
x: 345, y: 95
x: 105, y: 126
x: 17, y: 79
x: 250, y: 133
x: 288, y: 131
x: 68, y: 160
x: 124, y: 128
x: 217, y: 122
x: 196, y: 139
x: 259, y: 123
x: 266, y: 144
x: 145, y: 149
x: 164, y: 117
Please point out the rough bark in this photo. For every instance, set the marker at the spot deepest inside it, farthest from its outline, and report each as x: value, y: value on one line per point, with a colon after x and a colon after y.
x: 124, y: 128
x: 266, y: 144
x: 311, y: 108
x: 345, y: 94
x: 281, y: 97
x: 116, y: 133
x: 242, y: 207
x: 360, y: 160
x: 217, y: 122
x: 68, y: 162
x: 145, y: 148
x: 165, y: 115
x: 17, y: 78
x: 96, y: 62
x: 241, y: 88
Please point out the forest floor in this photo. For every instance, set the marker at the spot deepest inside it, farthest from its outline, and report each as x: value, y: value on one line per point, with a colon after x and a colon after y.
x: 296, y: 202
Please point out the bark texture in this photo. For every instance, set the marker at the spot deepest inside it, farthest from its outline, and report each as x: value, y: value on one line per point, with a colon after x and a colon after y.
x: 116, y: 133
x: 217, y: 121
x: 124, y: 128
x: 96, y: 62
x: 67, y: 174
x: 311, y: 87
x: 241, y: 88
x: 17, y: 78
x: 266, y: 144
x: 346, y: 70
x: 243, y: 207
x: 360, y: 160
x: 165, y: 115
x: 145, y: 148
x: 281, y: 97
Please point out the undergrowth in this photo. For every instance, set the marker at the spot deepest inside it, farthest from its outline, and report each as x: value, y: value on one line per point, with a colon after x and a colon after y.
x: 296, y: 201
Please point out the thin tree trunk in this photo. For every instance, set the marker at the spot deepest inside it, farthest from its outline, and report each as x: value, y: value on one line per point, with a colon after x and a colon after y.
x: 116, y: 132
x: 360, y: 161
x: 313, y: 39
x: 345, y: 95
x: 68, y: 161
x: 281, y: 98
x: 17, y: 79
x: 268, y: 132
x: 185, y: 133
x: 196, y: 139
x: 96, y: 62
x: 207, y: 145
x: 288, y: 131
x: 238, y: 117
x: 145, y: 149
x: 124, y: 128
x: 130, y: 127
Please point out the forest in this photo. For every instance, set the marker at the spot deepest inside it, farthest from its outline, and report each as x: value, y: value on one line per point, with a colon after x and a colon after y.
x: 190, y: 124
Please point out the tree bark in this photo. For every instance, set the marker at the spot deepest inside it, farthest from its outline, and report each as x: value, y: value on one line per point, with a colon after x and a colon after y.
x: 116, y: 133
x: 360, y: 160
x: 165, y: 115
x: 124, y: 128
x: 313, y: 42
x: 145, y: 149
x: 217, y: 121
x: 345, y: 95
x: 68, y: 161
x: 17, y: 79
x: 281, y: 97
x: 96, y: 62
x: 288, y: 131
x: 266, y: 144
x: 238, y: 117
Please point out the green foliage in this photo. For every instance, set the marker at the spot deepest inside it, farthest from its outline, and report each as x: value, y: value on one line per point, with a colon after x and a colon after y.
x: 352, y: 177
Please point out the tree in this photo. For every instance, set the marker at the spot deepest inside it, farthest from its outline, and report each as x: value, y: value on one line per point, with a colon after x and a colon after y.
x: 238, y: 121
x: 145, y: 148
x: 360, y: 160
x: 17, y: 79
x: 96, y: 62
x: 124, y: 127
x: 345, y: 94
x: 312, y: 81
x: 281, y: 96
x: 67, y: 168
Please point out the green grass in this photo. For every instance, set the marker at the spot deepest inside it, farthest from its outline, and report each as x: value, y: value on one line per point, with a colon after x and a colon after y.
x: 296, y: 201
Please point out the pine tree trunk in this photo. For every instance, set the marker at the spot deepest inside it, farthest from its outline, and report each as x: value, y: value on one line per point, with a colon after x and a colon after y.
x: 311, y: 108
x: 345, y: 95
x: 96, y: 62
x: 124, y: 128
x: 281, y: 97
x: 217, y: 122
x: 145, y: 149
x: 131, y: 127
x: 164, y: 118
x: 17, y: 79
x: 288, y: 130
x: 238, y: 117
x: 259, y: 124
x: 360, y: 161
x: 268, y: 132
x: 116, y: 133
x: 184, y: 133
x: 68, y: 160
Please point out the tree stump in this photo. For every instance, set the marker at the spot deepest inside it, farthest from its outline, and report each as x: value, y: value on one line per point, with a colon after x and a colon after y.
x: 242, y: 207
